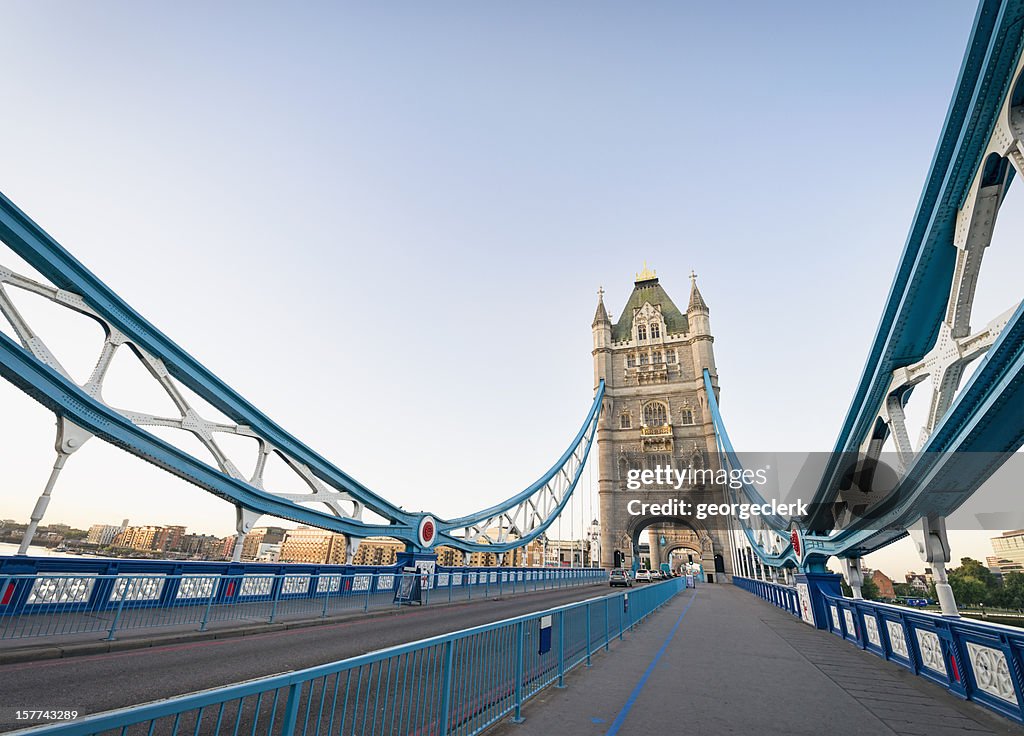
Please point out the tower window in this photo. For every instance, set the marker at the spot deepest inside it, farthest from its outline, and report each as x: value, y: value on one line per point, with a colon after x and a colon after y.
x: 624, y: 421
x: 643, y: 359
x: 655, y: 415
x: 641, y: 332
x: 655, y: 330
x: 657, y: 357
x: 686, y: 416
x: 631, y: 361
x: 671, y: 356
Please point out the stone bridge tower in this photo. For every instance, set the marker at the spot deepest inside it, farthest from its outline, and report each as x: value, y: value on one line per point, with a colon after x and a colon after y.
x: 655, y: 414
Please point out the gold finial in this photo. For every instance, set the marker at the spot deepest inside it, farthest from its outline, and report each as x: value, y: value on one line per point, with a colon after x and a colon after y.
x: 647, y: 274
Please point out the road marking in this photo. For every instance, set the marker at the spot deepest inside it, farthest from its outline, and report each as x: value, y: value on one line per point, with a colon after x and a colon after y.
x: 617, y: 723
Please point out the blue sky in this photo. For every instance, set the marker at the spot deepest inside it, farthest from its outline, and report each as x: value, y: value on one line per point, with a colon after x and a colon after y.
x: 385, y: 224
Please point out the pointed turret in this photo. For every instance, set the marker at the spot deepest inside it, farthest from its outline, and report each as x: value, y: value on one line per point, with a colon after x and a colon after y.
x: 601, y: 315
x: 602, y: 329
x: 697, y: 303
x: 700, y: 329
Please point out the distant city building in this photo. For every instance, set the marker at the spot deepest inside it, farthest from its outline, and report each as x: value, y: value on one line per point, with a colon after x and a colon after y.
x: 269, y: 553
x: 449, y: 556
x: 104, y: 534
x: 168, y: 538
x: 151, y: 538
x: 225, y: 547
x: 994, y: 567
x: 316, y: 546
x: 136, y: 537
x: 882, y: 581
x: 378, y: 551
x: 1009, y: 552
x: 564, y: 552
x: 917, y: 581
x: 203, y: 546
x: 259, y: 536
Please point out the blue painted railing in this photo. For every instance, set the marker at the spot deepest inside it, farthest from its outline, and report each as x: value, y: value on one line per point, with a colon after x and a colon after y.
x: 65, y: 602
x: 782, y: 596
x: 459, y: 683
x: 974, y: 660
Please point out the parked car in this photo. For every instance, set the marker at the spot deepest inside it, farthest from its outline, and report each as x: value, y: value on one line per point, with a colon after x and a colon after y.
x: 621, y: 577
x: 643, y: 576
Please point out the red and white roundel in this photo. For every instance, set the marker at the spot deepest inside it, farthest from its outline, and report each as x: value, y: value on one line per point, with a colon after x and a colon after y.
x: 797, y: 541
x: 427, y: 531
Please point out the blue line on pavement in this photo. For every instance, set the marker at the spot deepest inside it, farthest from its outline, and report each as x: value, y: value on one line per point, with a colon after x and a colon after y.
x: 617, y: 723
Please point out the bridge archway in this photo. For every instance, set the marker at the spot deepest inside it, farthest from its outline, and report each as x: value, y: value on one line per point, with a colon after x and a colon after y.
x: 691, y: 552
x: 677, y: 532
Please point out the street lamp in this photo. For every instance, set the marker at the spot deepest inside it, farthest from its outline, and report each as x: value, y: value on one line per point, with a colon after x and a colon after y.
x: 595, y: 542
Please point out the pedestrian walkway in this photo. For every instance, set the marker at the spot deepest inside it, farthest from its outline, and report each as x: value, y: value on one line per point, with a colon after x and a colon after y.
x: 718, y: 660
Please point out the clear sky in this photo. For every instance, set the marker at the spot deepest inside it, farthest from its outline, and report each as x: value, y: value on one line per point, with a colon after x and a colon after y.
x: 385, y: 223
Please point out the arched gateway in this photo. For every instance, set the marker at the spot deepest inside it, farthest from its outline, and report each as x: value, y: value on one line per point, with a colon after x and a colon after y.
x: 655, y: 426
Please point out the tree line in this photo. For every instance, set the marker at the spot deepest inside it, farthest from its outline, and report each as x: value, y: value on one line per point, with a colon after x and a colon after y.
x: 973, y: 584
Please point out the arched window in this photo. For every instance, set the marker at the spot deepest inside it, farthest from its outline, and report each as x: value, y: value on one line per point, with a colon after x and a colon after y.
x: 643, y: 359
x: 625, y: 422
x: 670, y: 356
x: 686, y: 416
x: 655, y: 415
x: 660, y: 460
x: 657, y: 357
x: 641, y: 332
x: 697, y: 460
x: 655, y: 330
x: 631, y: 361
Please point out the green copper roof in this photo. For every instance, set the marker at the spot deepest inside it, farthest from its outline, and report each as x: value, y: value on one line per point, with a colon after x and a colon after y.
x: 649, y: 291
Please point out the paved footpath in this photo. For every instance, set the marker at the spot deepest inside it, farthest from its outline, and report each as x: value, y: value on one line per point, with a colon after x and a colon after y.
x: 718, y: 660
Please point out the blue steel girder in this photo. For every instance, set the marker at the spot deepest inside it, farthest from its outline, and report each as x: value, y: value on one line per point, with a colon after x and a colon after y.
x: 973, y: 433
x: 35, y: 370
x: 47, y: 386
x: 981, y: 430
x: 914, y: 309
x: 43, y: 253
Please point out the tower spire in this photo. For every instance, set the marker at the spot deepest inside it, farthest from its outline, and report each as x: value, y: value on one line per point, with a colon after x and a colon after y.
x: 648, y: 274
x: 696, y: 300
x: 601, y: 315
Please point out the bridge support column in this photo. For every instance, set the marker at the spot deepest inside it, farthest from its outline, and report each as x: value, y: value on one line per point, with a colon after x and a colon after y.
x: 854, y: 575
x: 244, y: 521
x: 814, y: 590
x: 929, y: 534
x: 69, y: 438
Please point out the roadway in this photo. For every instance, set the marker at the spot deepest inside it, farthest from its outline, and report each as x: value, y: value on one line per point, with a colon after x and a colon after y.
x: 91, y: 684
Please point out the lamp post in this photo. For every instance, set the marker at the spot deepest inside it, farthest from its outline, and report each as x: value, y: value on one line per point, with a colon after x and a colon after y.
x: 595, y: 542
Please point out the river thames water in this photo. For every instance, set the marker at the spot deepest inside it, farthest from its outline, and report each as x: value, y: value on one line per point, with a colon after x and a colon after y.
x: 7, y: 549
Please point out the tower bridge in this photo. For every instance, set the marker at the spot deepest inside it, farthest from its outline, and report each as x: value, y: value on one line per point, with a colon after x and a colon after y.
x: 854, y: 665
x: 654, y: 414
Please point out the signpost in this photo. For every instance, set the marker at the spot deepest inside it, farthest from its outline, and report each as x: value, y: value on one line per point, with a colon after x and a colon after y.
x: 410, y: 589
